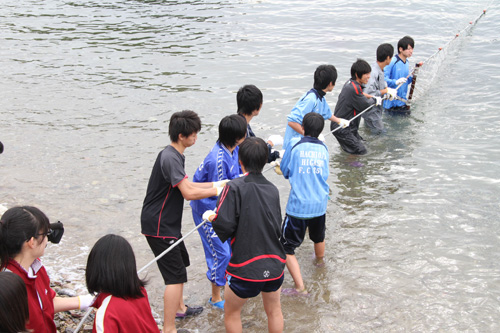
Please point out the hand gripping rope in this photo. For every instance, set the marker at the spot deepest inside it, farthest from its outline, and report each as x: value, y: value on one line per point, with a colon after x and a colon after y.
x: 146, y: 266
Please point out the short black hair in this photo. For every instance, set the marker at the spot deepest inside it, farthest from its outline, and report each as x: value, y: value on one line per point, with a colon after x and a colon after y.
x: 383, y: 51
x: 405, y: 42
x: 111, y: 268
x: 323, y: 75
x: 14, y: 311
x: 184, y: 122
x: 313, y: 124
x: 359, y: 68
x: 17, y: 225
x: 231, y: 129
x: 249, y: 98
x: 253, y: 154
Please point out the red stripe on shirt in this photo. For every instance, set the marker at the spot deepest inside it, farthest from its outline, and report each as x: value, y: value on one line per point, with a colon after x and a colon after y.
x: 244, y: 279
x: 264, y: 256
x: 161, y: 211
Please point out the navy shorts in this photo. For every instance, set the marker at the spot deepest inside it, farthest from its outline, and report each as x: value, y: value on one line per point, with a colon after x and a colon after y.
x: 249, y: 289
x: 294, y: 229
x: 173, y: 264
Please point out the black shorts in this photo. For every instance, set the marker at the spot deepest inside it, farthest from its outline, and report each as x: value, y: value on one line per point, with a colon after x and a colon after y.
x: 294, y: 230
x: 350, y: 141
x: 249, y: 289
x: 173, y: 264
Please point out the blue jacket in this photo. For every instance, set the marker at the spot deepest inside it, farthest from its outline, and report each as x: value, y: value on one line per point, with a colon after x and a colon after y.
x: 394, y: 71
x: 312, y: 101
x: 219, y: 164
x: 305, y: 165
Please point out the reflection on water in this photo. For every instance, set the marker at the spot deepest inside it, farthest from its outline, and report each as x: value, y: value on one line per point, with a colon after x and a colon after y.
x: 88, y: 87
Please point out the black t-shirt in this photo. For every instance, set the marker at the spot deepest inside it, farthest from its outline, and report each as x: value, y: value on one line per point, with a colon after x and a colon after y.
x: 163, y: 205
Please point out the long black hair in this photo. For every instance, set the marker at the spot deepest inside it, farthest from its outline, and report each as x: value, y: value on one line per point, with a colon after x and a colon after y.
x: 14, y: 311
x: 18, y: 225
x: 111, y: 268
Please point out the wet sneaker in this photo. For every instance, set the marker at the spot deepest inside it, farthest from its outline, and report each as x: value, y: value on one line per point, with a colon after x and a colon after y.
x: 219, y: 304
x: 294, y: 292
x: 190, y: 311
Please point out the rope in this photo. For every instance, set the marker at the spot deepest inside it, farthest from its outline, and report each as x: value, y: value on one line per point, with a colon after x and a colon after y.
x: 143, y: 268
x: 439, y: 52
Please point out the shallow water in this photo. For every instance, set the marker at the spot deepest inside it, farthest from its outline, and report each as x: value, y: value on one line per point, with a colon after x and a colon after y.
x: 412, y: 239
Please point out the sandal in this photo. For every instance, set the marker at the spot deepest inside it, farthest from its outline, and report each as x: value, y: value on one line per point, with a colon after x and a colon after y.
x: 190, y: 311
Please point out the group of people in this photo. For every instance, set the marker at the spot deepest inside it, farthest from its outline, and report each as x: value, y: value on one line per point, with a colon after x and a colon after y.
x: 247, y: 243
x: 28, y: 303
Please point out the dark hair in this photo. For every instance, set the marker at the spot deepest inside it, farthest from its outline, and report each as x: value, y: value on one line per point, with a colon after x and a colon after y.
x: 253, y: 154
x: 249, y: 98
x: 323, y: 75
x: 405, y: 42
x: 231, y: 129
x: 313, y: 124
x: 184, y: 122
x: 360, y: 68
x: 111, y: 268
x: 14, y: 311
x: 18, y: 225
x: 383, y: 51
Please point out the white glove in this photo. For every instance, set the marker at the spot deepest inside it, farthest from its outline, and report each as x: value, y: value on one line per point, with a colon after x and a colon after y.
x: 209, y: 215
x: 344, y: 123
x: 282, y: 153
x: 220, y: 183
x: 276, y: 139
x: 321, y: 137
x: 219, y: 190
x: 391, y: 93
x: 378, y: 100
x: 277, y: 169
x: 401, y: 81
x: 85, y: 301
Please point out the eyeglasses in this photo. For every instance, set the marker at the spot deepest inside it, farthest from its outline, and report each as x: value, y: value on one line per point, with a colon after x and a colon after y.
x: 48, y: 233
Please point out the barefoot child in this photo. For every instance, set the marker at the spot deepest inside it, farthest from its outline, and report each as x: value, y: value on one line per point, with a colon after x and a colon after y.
x: 305, y: 165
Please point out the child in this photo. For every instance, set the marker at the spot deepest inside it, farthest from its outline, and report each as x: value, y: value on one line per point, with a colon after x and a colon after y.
x: 122, y: 302
x: 248, y: 212
x: 305, y: 165
x: 351, y: 101
x: 378, y: 87
x: 220, y: 164
x: 314, y: 100
x: 249, y: 100
x: 14, y: 312
x: 24, y: 234
x: 398, y: 73
x: 162, y: 209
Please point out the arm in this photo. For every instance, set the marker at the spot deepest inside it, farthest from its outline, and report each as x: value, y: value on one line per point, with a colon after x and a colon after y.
x: 226, y: 221
x: 335, y: 119
x: 285, y: 161
x: 391, y: 82
x: 196, y: 191
x: 66, y: 303
x: 296, y: 127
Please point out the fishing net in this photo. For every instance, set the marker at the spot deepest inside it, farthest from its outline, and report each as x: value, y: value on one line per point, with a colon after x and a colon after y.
x: 425, y: 71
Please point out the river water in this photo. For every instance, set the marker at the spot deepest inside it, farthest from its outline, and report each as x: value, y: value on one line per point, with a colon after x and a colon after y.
x: 412, y: 239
